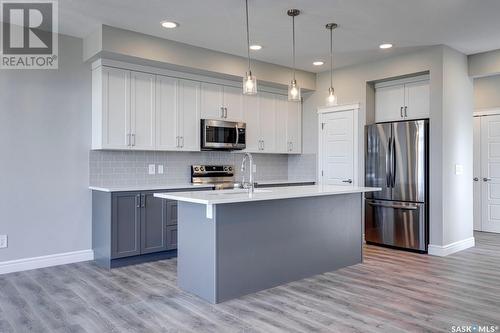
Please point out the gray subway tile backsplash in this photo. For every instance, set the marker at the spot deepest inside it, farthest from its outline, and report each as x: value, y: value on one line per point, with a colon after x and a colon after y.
x: 123, y: 168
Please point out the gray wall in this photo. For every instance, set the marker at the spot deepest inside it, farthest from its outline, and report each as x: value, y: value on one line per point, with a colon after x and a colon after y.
x: 487, y: 92
x: 351, y: 87
x: 45, y: 128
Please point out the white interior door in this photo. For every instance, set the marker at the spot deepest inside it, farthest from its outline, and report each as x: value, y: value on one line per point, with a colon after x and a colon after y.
x: 337, y: 148
x: 477, y: 173
x: 490, y: 166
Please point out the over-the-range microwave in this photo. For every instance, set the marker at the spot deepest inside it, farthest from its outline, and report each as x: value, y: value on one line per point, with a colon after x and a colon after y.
x: 222, y: 135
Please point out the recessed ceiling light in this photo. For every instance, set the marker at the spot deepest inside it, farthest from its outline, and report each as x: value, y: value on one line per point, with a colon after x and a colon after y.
x: 255, y: 47
x: 169, y: 24
x: 318, y: 63
x: 385, y: 46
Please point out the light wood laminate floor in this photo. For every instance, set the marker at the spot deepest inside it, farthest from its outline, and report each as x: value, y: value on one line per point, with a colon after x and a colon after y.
x: 392, y: 291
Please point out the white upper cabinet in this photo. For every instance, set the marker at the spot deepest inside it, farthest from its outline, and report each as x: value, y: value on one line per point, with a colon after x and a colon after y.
x: 142, y: 111
x: 212, y: 100
x: 389, y: 103
x: 251, y: 116
x: 221, y: 102
x: 134, y: 110
x: 233, y: 103
x: 267, y: 115
x: 166, y: 113
x: 189, y: 115
x: 294, y: 127
x: 417, y: 96
x: 402, y: 100
x: 111, y: 109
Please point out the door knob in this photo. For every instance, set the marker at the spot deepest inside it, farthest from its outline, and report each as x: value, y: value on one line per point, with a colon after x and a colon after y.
x: 475, y: 179
x: 486, y: 179
x: 347, y: 181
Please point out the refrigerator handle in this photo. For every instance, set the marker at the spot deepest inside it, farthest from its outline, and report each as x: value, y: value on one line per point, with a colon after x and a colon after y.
x: 393, y: 154
x: 388, y: 163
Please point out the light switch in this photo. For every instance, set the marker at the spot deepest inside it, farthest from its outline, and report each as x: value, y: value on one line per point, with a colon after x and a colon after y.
x: 459, y: 169
x: 160, y: 169
x: 152, y: 169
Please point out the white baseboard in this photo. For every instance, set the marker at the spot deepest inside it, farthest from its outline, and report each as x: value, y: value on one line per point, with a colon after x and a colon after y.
x: 446, y: 250
x: 45, y: 261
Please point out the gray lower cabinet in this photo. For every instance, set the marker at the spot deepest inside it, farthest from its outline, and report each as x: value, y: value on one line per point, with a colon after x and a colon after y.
x: 131, y: 224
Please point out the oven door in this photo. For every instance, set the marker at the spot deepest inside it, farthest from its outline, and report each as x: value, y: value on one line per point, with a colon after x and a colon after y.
x: 223, y: 135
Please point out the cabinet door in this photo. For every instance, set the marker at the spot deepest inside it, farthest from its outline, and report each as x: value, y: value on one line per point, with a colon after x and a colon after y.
x: 189, y: 115
x: 166, y: 113
x: 125, y: 225
x: 389, y: 103
x: 115, y: 108
x: 153, y: 224
x: 233, y: 103
x: 171, y: 212
x: 251, y: 117
x: 172, y: 237
x: 142, y: 111
x: 294, y: 127
x: 211, y: 101
x: 267, y: 115
x: 417, y: 95
x: 282, y: 143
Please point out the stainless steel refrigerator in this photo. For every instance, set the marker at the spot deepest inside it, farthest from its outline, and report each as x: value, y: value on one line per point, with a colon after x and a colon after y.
x: 397, y: 161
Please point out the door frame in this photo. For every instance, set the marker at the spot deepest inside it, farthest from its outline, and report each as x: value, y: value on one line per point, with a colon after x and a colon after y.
x: 354, y: 108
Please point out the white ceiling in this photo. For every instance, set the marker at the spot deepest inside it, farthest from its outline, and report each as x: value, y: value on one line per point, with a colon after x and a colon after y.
x: 470, y: 26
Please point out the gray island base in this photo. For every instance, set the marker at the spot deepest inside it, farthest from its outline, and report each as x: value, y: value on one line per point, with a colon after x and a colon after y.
x: 227, y: 250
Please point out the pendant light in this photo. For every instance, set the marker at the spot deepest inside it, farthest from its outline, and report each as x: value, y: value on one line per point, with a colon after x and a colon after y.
x: 331, y: 99
x: 293, y: 88
x: 249, y: 81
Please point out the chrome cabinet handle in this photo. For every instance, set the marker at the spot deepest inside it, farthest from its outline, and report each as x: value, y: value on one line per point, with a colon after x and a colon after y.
x: 263, y: 145
x: 222, y: 112
x: 182, y: 141
x: 133, y: 137
x: 406, y: 113
x: 128, y: 140
x: 225, y: 112
x: 347, y: 181
x: 401, y: 112
x: 138, y: 201
x: 177, y: 144
x: 486, y: 179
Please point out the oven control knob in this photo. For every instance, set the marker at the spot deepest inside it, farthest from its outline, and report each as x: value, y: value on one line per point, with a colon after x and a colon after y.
x: 230, y: 168
x: 202, y: 169
x: 196, y: 169
x: 226, y: 168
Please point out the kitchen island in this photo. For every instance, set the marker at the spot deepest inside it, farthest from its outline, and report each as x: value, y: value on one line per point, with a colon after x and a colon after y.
x: 232, y: 242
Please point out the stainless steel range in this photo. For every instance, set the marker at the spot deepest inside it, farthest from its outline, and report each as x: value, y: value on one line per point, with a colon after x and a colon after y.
x: 221, y: 176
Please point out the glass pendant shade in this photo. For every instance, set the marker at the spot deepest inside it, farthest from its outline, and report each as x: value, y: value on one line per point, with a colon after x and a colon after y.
x: 294, y: 92
x: 331, y: 100
x: 249, y: 84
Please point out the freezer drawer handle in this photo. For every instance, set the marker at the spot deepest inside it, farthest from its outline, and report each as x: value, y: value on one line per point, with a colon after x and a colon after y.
x: 392, y: 206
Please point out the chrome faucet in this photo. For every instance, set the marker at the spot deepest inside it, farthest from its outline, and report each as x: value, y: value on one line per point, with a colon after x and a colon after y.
x: 250, y: 185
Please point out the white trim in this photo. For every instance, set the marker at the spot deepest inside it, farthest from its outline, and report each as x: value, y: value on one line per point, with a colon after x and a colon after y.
x: 45, y: 261
x: 486, y: 112
x: 405, y: 80
x: 443, y: 251
x: 355, y: 119
x: 339, y: 108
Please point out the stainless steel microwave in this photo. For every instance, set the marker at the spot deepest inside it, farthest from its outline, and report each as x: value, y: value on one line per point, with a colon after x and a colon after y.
x: 222, y: 135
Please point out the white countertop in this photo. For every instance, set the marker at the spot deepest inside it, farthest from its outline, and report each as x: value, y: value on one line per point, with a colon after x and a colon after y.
x: 260, y: 194
x: 283, y: 181
x: 134, y: 188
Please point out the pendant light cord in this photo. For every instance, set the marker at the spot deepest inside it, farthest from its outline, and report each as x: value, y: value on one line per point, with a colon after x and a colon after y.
x: 248, y: 35
x: 293, y: 44
x: 331, y: 58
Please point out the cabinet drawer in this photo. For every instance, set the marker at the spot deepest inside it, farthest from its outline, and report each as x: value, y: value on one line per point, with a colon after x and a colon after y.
x: 172, y: 237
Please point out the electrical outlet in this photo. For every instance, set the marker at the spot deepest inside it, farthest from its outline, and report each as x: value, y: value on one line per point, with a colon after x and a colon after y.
x: 3, y: 241
x: 459, y: 169
x: 151, y: 169
x: 160, y: 169
x: 254, y: 168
